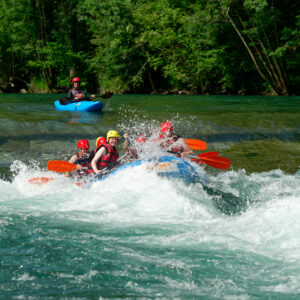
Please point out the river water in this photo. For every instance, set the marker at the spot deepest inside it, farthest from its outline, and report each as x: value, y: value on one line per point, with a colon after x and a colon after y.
x: 136, y: 235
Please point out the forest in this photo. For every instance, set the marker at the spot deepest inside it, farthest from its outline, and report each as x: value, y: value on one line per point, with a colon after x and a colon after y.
x: 243, y: 47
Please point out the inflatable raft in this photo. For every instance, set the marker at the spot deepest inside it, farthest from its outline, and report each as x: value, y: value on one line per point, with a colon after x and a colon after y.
x: 166, y: 166
x: 89, y: 106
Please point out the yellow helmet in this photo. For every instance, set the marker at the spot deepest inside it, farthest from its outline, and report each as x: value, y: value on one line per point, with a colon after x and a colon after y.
x: 112, y: 133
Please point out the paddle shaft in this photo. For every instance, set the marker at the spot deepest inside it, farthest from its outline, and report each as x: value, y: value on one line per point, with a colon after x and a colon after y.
x: 217, y: 162
x: 71, y: 100
x: 210, y: 158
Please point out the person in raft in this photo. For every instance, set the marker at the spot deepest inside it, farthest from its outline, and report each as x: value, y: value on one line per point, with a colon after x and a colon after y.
x: 80, y: 158
x: 106, y: 155
x: 172, y: 142
x: 100, y: 141
x: 75, y: 94
x: 131, y: 151
x: 167, y: 139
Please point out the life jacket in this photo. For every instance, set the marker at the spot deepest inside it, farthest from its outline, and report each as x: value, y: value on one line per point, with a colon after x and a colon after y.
x: 109, y: 158
x: 85, y: 162
x: 76, y: 93
x: 168, y: 142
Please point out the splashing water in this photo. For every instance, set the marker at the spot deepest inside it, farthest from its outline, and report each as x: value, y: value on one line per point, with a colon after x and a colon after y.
x: 143, y: 235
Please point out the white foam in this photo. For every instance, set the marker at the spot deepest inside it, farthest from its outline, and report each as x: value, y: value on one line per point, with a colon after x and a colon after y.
x: 138, y: 197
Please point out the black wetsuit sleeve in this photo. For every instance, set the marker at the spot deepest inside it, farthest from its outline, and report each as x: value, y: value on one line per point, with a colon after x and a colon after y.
x: 70, y: 94
x: 86, y: 159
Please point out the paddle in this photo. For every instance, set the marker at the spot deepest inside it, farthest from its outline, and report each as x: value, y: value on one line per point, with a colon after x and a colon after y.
x: 208, y: 154
x: 210, y: 158
x: 61, y: 166
x: 107, y: 170
x: 217, y: 162
x: 104, y: 172
x: 67, y: 100
x: 40, y: 180
x: 196, y: 144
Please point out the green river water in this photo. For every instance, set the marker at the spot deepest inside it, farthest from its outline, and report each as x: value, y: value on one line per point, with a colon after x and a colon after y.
x: 136, y: 235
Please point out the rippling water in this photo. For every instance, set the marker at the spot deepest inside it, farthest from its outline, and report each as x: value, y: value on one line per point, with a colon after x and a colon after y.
x: 234, y: 235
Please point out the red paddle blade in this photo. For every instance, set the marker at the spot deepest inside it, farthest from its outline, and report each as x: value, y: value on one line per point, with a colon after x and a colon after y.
x: 196, y: 144
x: 204, y: 155
x: 208, y: 154
x: 60, y: 166
x: 217, y: 162
x: 40, y: 180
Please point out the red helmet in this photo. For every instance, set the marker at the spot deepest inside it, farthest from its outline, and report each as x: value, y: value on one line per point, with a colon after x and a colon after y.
x: 141, y: 139
x: 166, y: 126
x: 75, y: 79
x: 100, y: 141
x: 83, y: 144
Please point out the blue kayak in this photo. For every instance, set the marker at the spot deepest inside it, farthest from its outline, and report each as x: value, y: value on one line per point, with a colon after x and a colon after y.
x: 90, y: 106
x: 166, y: 166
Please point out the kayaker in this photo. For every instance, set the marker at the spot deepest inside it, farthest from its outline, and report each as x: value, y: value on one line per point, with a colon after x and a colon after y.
x: 80, y: 158
x: 106, y: 155
x: 75, y: 93
x: 170, y: 141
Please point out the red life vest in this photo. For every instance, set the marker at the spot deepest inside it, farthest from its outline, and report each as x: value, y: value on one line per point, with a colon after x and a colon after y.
x: 85, y: 163
x: 168, y: 142
x: 106, y: 160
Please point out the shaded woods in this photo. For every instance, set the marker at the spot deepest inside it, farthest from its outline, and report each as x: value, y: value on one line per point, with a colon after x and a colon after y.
x: 139, y: 46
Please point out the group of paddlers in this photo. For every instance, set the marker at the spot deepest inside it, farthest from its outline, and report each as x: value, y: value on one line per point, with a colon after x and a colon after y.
x: 106, y: 156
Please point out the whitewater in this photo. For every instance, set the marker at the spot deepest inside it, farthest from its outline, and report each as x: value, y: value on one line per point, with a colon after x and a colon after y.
x: 138, y: 235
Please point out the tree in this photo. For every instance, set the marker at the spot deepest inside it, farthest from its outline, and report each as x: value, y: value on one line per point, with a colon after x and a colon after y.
x: 261, y: 27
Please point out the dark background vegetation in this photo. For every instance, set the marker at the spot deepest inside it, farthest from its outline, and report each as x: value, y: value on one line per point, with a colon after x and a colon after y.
x: 159, y: 46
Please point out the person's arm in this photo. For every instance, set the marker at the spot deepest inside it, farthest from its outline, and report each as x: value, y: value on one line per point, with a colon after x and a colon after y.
x: 186, y: 149
x: 102, y: 151
x: 131, y: 151
x: 70, y: 94
x: 126, y: 142
x: 71, y: 160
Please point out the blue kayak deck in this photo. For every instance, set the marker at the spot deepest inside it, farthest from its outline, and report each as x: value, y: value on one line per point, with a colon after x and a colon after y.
x: 89, y: 106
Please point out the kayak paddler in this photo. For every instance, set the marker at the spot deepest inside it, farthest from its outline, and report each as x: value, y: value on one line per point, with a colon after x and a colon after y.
x: 75, y: 93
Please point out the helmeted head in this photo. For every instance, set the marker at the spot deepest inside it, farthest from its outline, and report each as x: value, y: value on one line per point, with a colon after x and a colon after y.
x: 75, y: 79
x: 112, y: 137
x: 83, y: 144
x: 166, y: 127
x: 112, y: 134
x: 100, y: 141
x: 83, y: 147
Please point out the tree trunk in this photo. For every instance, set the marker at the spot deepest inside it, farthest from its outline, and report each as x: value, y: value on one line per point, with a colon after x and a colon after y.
x: 151, y: 82
x: 268, y: 68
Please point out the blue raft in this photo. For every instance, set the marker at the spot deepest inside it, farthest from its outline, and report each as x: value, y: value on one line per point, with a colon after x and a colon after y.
x: 166, y: 166
x: 90, y: 106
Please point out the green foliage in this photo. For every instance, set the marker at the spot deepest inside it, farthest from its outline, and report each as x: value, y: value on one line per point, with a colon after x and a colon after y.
x: 145, y: 46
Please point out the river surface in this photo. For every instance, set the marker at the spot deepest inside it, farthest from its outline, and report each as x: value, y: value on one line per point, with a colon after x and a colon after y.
x: 234, y: 235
